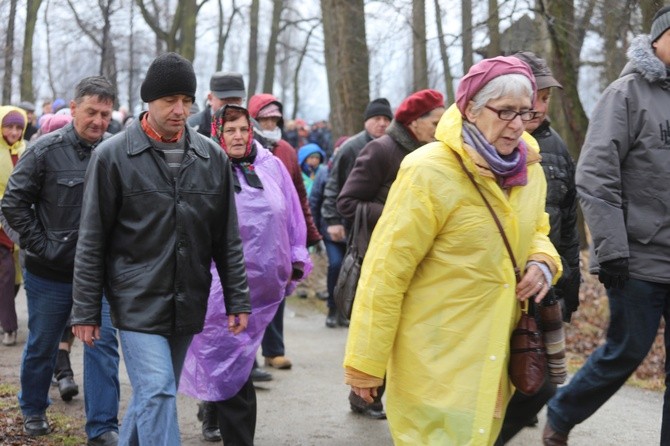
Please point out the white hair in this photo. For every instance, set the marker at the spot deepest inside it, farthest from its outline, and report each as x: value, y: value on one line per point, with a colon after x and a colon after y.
x: 505, y: 85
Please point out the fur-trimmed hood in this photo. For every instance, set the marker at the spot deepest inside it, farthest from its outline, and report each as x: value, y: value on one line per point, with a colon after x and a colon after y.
x: 642, y: 60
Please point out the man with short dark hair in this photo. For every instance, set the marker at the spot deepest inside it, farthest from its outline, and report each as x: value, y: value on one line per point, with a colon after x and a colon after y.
x: 43, y: 204
x: 158, y: 208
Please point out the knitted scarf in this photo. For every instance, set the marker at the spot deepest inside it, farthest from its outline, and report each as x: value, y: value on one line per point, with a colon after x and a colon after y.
x: 510, y: 170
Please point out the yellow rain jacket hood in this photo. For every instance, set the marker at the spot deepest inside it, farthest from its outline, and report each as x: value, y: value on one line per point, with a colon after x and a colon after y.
x: 6, y: 165
x: 436, y: 302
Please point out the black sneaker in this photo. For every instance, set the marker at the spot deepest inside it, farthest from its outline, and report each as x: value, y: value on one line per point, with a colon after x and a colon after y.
x: 260, y: 375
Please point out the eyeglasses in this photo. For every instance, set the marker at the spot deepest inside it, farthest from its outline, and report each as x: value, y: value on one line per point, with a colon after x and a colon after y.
x: 509, y: 115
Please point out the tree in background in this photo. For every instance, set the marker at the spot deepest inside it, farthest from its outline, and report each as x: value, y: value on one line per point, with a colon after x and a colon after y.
x: 420, y: 56
x: 347, y: 64
x: 100, y: 36
x: 253, y: 48
x: 271, y: 55
x: 446, y: 68
x: 223, y: 32
x: 27, y: 91
x: 179, y: 34
x: 9, y: 55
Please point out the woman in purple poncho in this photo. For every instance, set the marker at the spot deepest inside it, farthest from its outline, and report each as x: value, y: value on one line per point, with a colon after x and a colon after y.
x: 272, y: 227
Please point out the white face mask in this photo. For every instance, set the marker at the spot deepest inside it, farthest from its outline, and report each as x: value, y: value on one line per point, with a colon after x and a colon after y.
x: 272, y: 136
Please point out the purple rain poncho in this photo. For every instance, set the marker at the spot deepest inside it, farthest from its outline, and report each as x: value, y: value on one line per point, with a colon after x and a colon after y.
x: 273, y: 232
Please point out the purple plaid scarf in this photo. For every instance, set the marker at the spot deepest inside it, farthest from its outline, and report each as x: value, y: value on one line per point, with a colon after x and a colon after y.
x: 509, y: 169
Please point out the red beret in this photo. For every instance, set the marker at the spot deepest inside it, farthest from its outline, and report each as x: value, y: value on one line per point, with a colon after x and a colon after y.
x: 418, y: 104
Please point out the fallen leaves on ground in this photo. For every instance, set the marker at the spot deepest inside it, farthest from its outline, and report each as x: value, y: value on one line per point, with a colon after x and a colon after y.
x: 588, y: 330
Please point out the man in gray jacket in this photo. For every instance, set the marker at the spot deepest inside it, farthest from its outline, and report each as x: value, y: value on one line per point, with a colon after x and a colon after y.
x: 158, y: 208
x: 622, y: 179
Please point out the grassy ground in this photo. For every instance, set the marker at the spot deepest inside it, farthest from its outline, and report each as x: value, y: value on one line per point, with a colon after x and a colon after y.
x: 66, y: 430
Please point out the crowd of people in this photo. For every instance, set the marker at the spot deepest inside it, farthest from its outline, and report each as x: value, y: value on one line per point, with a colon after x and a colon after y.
x: 177, y: 237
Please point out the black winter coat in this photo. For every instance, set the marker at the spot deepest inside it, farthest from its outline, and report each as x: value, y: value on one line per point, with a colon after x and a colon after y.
x: 559, y: 169
x: 202, y: 121
x: 149, y: 239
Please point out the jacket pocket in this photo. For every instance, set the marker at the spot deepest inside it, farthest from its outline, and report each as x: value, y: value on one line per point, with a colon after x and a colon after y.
x: 70, y: 191
x: 61, y: 246
x: 645, y: 218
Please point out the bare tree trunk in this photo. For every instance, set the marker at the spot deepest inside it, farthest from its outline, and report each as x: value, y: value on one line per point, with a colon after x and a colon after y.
x: 420, y: 59
x: 180, y: 37
x: 52, y: 86
x: 269, y: 77
x: 131, y: 62
x: 448, y: 78
x: 347, y: 63
x: 101, y: 38
x: 466, y: 29
x: 27, y: 92
x: 221, y: 44
x: 253, y: 48
x: 9, y: 55
x: 565, y: 62
x: 108, y: 52
x: 493, y: 25
x: 296, y: 84
x: 617, y: 19
x: 223, y: 36
x: 648, y: 9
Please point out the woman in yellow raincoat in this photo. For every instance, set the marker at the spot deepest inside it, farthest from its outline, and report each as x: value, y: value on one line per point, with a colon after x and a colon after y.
x: 13, y: 123
x: 437, y: 299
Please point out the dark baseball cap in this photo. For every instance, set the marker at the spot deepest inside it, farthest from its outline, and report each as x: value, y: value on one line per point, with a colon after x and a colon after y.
x: 227, y: 84
x: 543, y: 75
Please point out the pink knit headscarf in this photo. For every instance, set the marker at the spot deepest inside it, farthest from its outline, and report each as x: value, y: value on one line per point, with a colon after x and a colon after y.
x: 484, y: 71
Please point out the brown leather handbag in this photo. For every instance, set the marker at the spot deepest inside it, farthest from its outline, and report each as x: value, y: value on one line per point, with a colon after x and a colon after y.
x: 528, y: 360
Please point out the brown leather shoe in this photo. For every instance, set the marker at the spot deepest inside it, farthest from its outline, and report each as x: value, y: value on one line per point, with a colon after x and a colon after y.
x: 552, y: 438
x: 278, y: 362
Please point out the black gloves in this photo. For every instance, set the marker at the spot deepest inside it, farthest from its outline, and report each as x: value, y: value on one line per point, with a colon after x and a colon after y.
x: 614, y: 273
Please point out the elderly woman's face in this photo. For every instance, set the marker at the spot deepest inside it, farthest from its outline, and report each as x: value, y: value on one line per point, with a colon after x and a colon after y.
x: 503, y: 135
x: 236, y: 136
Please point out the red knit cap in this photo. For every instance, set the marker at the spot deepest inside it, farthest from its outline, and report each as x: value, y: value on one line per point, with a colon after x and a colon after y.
x: 484, y: 71
x: 418, y: 104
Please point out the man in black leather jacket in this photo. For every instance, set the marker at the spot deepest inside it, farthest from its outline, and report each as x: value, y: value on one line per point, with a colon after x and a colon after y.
x: 561, y: 205
x: 42, y: 204
x: 158, y: 208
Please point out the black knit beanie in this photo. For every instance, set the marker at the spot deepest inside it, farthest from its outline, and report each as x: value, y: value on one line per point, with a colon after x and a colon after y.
x: 169, y: 74
x: 378, y: 107
x: 660, y: 23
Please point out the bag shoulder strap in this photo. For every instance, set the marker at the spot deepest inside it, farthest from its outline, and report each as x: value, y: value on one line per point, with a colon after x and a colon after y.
x: 517, y: 272
x: 360, y: 233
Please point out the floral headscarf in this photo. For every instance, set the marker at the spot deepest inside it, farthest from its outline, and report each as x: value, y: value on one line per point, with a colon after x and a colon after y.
x: 245, y: 163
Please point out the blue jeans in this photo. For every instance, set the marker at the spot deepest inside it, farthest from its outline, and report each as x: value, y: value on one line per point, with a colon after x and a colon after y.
x: 154, y: 364
x: 273, y: 339
x: 335, y: 252
x: 635, y: 314
x: 49, y: 305
x: 101, y: 379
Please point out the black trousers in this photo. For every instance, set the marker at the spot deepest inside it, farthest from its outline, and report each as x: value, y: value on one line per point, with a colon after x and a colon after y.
x: 237, y: 417
x: 521, y: 410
